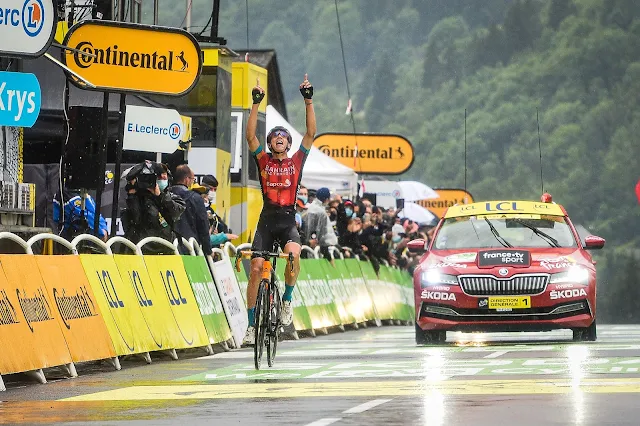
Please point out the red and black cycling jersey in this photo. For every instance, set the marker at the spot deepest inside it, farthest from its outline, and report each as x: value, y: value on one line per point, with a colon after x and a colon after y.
x: 280, y: 179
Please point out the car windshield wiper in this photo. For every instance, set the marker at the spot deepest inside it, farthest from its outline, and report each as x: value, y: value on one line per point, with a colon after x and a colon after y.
x: 495, y: 233
x: 548, y: 238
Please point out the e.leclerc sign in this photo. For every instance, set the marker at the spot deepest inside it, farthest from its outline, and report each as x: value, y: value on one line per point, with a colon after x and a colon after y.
x: 376, y: 153
x: 134, y: 58
x: 152, y: 129
x: 20, y: 99
x: 27, y: 27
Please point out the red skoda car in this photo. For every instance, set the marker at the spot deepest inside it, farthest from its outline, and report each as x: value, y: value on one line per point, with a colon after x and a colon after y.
x: 505, y: 266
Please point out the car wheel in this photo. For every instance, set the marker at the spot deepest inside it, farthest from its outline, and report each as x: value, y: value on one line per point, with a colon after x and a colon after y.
x: 424, y: 337
x: 588, y: 334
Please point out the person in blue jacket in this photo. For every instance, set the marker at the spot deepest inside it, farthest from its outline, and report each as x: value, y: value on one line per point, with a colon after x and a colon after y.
x: 72, y: 220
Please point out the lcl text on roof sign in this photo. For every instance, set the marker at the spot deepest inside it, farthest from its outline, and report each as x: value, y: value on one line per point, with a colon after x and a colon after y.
x: 126, y: 57
x: 27, y: 27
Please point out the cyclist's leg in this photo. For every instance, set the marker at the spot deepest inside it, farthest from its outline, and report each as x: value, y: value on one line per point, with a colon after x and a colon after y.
x: 292, y: 245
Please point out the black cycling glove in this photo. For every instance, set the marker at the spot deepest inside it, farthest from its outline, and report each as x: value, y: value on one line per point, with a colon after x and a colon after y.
x: 257, y: 96
x: 307, y: 92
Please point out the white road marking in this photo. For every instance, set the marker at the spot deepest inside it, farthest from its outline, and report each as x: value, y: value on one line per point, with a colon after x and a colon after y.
x: 366, y: 406
x: 495, y: 354
x: 324, y: 422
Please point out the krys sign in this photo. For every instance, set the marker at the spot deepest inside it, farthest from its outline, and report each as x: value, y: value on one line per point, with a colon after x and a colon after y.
x: 137, y: 58
x: 368, y: 153
x: 27, y: 27
x: 20, y: 99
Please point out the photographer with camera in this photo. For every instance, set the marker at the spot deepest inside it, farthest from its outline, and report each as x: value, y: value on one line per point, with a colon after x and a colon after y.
x: 151, y: 209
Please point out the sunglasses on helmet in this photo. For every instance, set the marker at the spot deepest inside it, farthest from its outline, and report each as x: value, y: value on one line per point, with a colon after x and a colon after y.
x: 282, y: 133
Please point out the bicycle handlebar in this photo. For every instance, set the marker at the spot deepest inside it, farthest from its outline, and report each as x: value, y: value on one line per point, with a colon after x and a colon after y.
x: 262, y: 253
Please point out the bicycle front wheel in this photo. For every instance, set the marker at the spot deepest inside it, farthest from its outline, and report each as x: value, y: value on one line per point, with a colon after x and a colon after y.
x: 274, y: 323
x: 261, y: 322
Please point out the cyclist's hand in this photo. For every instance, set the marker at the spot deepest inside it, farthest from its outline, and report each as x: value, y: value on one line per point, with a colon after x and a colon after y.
x: 257, y: 94
x: 306, y: 89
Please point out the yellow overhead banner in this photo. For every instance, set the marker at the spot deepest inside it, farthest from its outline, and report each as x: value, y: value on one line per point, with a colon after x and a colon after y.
x: 505, y: 207
x: 125, y: 57
x: 447, y: 198
x: 368, y: 153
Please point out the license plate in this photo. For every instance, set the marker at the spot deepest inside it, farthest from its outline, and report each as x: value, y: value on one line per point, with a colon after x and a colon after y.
x: 514, y: 302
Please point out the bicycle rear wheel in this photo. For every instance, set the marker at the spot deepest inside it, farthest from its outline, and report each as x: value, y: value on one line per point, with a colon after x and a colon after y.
x: 261, y: 323
x: 274, y: 323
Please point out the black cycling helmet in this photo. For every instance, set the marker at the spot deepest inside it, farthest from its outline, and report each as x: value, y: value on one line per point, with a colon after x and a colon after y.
x: 272, y: 131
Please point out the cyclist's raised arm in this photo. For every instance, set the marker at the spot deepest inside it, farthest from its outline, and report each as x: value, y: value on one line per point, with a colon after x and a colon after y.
x: 307, y: 93
x: 257, y: 94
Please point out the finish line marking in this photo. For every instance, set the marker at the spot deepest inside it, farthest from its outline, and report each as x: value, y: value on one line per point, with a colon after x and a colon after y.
x: 384, y: 388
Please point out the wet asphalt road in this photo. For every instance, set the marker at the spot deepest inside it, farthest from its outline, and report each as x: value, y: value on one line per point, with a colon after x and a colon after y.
x: 373, y: 376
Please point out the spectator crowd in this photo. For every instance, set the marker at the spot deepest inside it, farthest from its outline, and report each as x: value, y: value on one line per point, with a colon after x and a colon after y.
x: 171, y: 207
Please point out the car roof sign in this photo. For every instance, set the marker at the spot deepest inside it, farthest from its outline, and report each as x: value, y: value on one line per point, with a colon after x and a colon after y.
x: 505, y: 207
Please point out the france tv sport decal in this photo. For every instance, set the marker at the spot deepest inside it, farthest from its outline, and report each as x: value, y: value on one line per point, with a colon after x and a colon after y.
x: 27, y: 27
x: 20, y: 99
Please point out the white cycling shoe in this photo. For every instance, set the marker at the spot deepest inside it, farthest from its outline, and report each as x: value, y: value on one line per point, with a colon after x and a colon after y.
x: 249, y: 337
x: 287, y: 313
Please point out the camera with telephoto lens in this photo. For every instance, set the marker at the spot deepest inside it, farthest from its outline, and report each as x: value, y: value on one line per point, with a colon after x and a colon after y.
x: 145, y: 175
x: 146, y: 180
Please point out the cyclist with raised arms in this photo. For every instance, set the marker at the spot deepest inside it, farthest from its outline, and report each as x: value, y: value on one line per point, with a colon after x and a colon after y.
x: 279, y: 178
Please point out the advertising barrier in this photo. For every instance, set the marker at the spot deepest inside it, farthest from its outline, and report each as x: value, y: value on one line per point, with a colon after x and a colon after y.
x: 153, y: 305
x: 321, y: 295
x: 231, y: 298
x: 170, y: 281
x: 31, y: 337
x: 301, y: 317
x: 204, y: 289
x: 119, y: 306
x: 378, y: 296
x: 75, y: 308
x: 341, y: 296
x: 363, y: 307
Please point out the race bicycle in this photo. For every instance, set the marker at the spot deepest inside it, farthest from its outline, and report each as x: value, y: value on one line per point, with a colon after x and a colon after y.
x: 268, y: 303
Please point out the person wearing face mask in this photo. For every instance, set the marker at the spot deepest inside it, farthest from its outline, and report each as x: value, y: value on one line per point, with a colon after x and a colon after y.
x: 151, y: 209
x: 219, y: 227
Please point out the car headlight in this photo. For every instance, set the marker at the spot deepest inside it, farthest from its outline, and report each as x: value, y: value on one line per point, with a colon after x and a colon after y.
x: 435, y: 277
x: 574, y: 275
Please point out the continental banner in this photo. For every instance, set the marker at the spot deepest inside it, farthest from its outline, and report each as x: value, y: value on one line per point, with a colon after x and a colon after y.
x: 301, y: 317
x: 170, y: 280
x: 341, y: 296
x: 204, y: 289
x: 76, y: 308
x: 30, y: 336
x: 119, y: 306
x: 153, y: 305
x: 323, y: 297
x: 351, y: 268
x: 229, y: 292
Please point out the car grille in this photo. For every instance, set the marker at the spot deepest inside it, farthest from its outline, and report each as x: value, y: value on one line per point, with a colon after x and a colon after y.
x: 488, y: 285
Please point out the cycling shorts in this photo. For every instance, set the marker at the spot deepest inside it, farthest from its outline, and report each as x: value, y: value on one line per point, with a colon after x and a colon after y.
x: 279, y: 227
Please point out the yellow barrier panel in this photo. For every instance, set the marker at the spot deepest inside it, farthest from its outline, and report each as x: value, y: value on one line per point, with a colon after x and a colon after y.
x: 153, y: 304
x: 118, y: 304
x: 169, y: 278
x: 78, y: 316
x: 30, y: 337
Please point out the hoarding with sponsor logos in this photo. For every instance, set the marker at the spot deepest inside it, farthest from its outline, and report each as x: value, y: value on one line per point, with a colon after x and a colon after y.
x: 447, y: 198
x: 27, y: 27
x: 124, y: 57
x: 153, y: 129
x: 20, y: 99
x: 378, y: 154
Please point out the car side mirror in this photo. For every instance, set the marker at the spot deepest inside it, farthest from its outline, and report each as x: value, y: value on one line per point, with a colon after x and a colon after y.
x: 417, y: 246
x: 592, y: 242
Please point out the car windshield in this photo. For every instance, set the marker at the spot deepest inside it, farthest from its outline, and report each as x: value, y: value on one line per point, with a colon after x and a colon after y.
x: 497, y: 231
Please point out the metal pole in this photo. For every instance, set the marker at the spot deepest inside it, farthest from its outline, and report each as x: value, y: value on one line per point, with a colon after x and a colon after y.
x: 116, y: 173
x: 155, y: 12
x: 214, y: 20
x: 102, y: 154
x: 188, y: 18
